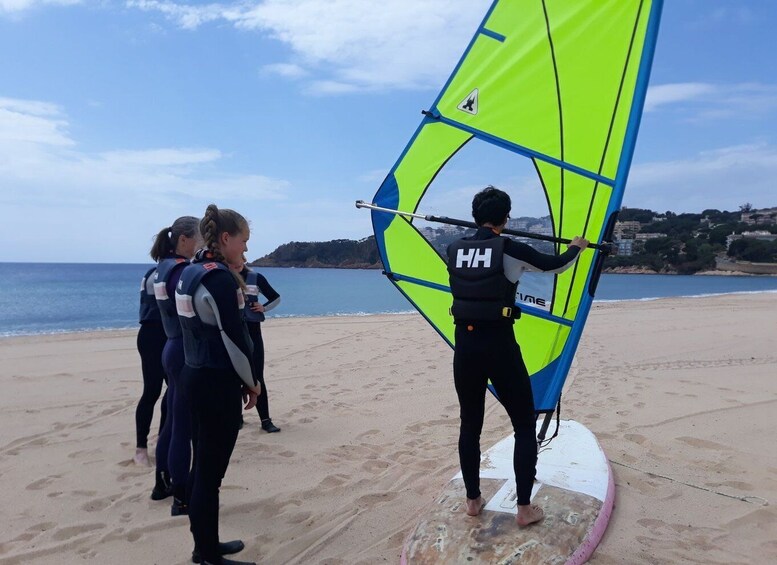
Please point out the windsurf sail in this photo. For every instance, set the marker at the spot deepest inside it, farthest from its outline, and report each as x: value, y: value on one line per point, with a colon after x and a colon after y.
x: 559, y: 82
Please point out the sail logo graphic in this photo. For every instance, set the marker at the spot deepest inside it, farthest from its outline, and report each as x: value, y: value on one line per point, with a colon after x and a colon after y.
x: 536, y: 300
x: 470, y: 103
x: 473, y: 258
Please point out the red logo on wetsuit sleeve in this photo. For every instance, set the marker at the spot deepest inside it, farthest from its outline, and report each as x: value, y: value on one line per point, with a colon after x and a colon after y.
x: 210, y: 266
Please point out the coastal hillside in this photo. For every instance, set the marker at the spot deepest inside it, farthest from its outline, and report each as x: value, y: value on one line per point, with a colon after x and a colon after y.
x: 338, y: 254
x: 645, y: 242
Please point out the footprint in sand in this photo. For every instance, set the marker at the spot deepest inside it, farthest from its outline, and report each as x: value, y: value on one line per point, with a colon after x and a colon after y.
x: 299, y: 517
x: 739, y: 485
x: 42, y: 483
x: 636, y: 438
x: 370, y: 500
x: 87, y: 553
x: 375, y: 466
x: 84, y: 492
x: 82, y: 453
x: 702, y: 443
x: 72, y: 531
x: 34, y: 531
x: 99, y: 504
x: 333, y: 481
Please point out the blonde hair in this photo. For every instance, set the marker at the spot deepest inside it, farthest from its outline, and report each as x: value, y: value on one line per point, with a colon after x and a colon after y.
x: 213, y: 224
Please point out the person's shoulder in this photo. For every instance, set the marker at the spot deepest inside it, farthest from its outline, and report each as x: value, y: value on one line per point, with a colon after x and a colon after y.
x: 516, y: 248
x: 216, y: 275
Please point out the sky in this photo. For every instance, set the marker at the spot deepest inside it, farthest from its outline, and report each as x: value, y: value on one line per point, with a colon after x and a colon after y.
x: 117, y: 116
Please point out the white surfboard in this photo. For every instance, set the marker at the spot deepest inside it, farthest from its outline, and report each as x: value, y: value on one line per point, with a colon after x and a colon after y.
x: 574, y: 486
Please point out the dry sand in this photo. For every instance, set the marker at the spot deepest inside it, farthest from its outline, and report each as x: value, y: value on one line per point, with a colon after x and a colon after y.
x: 680, y: 392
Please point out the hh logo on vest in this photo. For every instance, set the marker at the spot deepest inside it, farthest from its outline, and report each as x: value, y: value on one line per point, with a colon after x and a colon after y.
x: 473, y: 258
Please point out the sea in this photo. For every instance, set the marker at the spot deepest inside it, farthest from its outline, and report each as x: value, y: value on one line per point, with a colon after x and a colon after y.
x: 46, y: 298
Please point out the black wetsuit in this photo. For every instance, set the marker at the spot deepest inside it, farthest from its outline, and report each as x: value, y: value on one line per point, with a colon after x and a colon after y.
x: 254, y: 322
x: 151, y: 341
x: 173, y: 452
x: 218, y: 364
x: 488, y: 350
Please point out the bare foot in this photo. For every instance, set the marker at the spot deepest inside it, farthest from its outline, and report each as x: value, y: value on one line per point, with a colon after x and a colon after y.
x: 474, y: 506
x: 529, y: 514
x: 141, y: 457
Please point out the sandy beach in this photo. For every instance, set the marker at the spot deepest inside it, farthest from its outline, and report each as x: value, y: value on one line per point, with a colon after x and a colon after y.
x: 680, y: 392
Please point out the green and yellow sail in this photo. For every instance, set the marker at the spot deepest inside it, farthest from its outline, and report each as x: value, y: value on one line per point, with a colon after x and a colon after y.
x: 560, y: 82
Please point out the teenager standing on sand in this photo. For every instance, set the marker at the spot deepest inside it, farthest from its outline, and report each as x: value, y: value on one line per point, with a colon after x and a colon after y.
x: 176, y: 245
x: 218, y: 371
x: 484, y: 271
x: 151, y: 341
x: 256, y: 287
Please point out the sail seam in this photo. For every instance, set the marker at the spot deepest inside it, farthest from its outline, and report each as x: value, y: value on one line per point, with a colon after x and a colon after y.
x: 607, y: 141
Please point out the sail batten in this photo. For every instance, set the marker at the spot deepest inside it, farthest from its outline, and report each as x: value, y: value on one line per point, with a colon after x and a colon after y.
x: 528, y: 152
x: 560, y: 84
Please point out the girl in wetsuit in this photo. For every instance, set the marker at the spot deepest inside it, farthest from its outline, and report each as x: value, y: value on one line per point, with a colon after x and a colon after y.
x: 218, y: 373
x: 151, y: 341
x: 257, y: 287
x: 174, y: 246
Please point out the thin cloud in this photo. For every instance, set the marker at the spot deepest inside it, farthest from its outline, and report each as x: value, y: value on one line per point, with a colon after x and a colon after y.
x: 19, y: 6
x: 664, y: 94
x: 725, y: 16
x: 40, y: 162
x: 32, y: 121
x: 348, y: 45
x: 716, y: 178
x: 186, y: 16
x: 286, y: 70
x: 705, y: 101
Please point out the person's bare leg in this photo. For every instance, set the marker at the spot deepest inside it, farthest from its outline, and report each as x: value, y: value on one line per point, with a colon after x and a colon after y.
x: 475, y: 505
x: 141, y: 457
x: 529, y: 514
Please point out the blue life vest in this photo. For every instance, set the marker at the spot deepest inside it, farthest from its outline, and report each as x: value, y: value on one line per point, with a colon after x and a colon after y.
x: 149, y: 311
x: 252, y: 297
x: 203, y: 345
x: 480, y: 289
x: 167, y: 303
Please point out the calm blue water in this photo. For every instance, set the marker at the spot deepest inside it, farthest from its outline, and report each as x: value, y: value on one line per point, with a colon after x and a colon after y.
x: 49, y: 298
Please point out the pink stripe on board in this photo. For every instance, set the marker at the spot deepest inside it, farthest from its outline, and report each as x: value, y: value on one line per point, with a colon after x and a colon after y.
x: 595, y: 534
x: 403, y: 557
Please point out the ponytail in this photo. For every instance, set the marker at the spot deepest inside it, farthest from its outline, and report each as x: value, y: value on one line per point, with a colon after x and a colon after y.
x: 166, y: 240
x: 162, y: 246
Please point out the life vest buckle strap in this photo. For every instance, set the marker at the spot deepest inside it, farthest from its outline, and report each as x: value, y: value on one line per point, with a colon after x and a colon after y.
x: 511, y: 312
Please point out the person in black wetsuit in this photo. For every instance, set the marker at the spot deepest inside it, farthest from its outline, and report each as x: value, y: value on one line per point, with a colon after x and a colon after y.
x: 484, y: 270
x: 151, y: 341
x: 218, y: 372
x: 173, y: 454
x: 256, y: 287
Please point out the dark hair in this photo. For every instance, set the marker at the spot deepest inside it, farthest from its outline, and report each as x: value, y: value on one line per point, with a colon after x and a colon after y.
x: 166, y: 240
x: 491, y: 206
x: 214, y: 223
